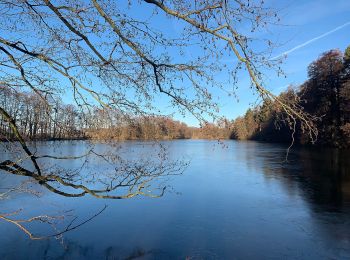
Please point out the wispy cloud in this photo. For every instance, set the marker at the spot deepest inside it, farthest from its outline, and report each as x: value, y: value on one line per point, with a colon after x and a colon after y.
x: 311, y: 40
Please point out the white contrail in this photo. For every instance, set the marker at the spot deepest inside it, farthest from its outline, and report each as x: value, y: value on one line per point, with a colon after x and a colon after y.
x: 312, y: 40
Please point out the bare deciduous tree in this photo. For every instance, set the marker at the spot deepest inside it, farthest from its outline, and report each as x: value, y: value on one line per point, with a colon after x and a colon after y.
x: 105, y: 53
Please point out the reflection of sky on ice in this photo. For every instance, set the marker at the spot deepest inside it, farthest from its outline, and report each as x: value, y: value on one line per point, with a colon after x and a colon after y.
x: 241, y: 201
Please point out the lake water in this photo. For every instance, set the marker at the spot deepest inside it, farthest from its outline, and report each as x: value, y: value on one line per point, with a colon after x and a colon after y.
x: 236, y: 200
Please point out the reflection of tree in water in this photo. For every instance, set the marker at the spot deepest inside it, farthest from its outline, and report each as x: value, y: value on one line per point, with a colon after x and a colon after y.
x: 322, y: 175
x: 325, y: 177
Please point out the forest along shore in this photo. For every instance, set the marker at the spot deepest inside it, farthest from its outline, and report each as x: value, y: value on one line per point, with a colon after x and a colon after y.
x: 325, y: 95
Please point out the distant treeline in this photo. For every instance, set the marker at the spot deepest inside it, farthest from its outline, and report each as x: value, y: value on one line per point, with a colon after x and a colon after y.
x: 38, y: 120
x: 325, y: 96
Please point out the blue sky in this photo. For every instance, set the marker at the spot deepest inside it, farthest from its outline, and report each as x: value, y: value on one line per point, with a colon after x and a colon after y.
x: 308, y: 28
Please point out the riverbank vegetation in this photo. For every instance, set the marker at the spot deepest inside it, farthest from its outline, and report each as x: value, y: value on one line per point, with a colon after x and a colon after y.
x: 66, y: 122
x: 325, y: 96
